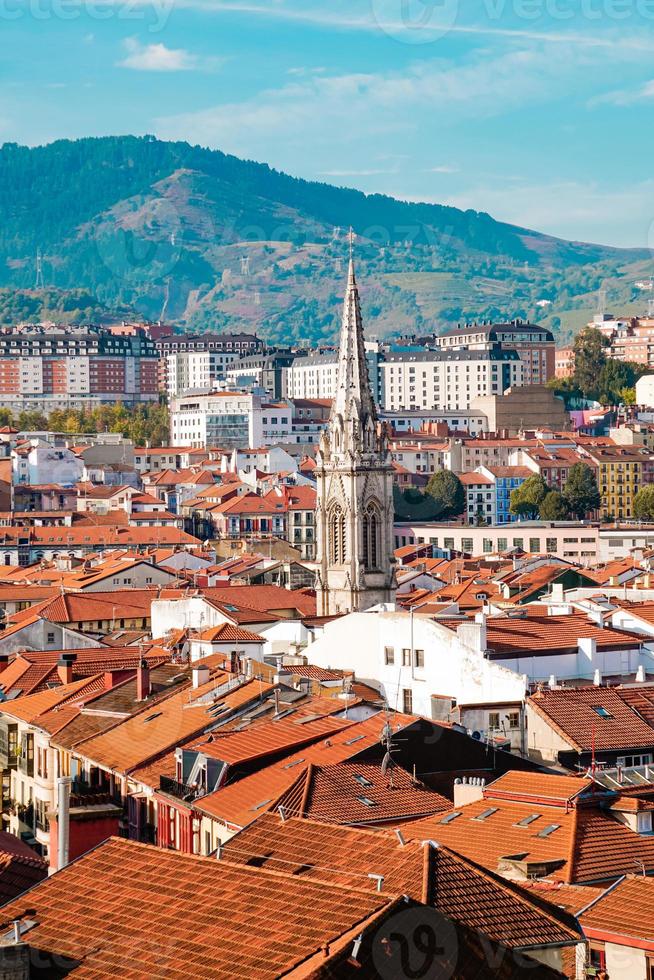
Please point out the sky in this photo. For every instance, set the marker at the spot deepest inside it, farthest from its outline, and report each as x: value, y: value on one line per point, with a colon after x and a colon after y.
x: 536, y: 111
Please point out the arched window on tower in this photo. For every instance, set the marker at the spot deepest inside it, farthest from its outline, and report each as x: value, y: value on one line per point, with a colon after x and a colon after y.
x: 371, y: 536
x: 337, y: 539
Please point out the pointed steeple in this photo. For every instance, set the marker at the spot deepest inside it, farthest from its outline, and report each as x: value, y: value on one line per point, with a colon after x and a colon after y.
x: 353, y: 399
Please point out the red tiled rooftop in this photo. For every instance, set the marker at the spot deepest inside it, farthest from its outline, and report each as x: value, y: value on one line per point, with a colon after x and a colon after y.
x: 592, y: 717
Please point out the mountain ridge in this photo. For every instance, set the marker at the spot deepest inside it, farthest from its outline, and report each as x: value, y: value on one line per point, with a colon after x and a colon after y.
x: 206, y: 239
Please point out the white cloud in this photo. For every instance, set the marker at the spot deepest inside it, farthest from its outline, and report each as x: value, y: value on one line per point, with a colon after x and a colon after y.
x: 443, y: 168
x: 377, y: 21
x: 625, y: 97
x: 157, y: 57
x: 569, y: 209
x: 338, y: 110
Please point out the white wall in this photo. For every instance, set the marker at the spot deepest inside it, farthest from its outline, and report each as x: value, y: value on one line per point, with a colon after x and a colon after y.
x: 453, y: 666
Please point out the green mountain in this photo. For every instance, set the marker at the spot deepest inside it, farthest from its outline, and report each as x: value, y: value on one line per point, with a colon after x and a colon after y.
x: 207, y: 240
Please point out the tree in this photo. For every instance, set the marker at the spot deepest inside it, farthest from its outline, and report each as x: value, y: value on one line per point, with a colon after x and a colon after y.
x: 554, y: 507
x: 644, y: 503
x: 590, y: 358
x: 581, y: 490
x: 447, y: 490
x: 527, y: 498
x: 614, y: 377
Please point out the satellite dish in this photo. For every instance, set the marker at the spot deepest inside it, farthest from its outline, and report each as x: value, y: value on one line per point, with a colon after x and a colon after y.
x: 477, y: 735
x: 387, y: 762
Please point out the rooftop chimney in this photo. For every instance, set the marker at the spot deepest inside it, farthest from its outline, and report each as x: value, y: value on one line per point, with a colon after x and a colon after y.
x: 143, y: 686
x: 597, y: 678
x: 640, y: 674
x: 201, y: 675
x: 65, y: 667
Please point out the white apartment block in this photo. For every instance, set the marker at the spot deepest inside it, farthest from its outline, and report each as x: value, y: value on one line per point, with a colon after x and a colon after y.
x: 230, y: 419
x: 196, y: 370
x: 447, y: 380
x: 313, y: 376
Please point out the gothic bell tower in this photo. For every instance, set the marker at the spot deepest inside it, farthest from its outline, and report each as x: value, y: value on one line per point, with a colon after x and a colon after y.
x: 354, y: 508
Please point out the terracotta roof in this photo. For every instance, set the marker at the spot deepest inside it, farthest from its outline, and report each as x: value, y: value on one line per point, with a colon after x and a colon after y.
x: 592, y: 717
x: 20, y: 867
x: 151, y: 733
x: 226, y: 633
x: 360, y: 793
x: 568, y: 843
x: 237, y: 804
x: 458, y: 888
x: 205, y: 918
x: 263, y: 598
x: 623, y: 913
x: 526, y: 786
x: 31, y: 707
x: 544, y: 634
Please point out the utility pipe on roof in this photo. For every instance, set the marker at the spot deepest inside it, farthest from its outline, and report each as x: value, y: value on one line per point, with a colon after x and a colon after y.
x: 63, y: 820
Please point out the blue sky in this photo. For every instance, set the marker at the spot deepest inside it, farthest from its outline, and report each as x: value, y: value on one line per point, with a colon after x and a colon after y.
x: 538, y: 111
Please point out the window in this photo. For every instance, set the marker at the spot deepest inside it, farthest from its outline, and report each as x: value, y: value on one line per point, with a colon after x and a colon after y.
x: 514, y: 719
x: 627, y: 761
x: 407, y: 701
x: 546, y: 831
x: 602, y: 712
x: 550, y: 546
x: 50, y: 637
x: 406, y: 657
x: 526, y: 821
x: 485, y: 814
x: 389, y: 656
x: 420, y: 658
x: 645, y: 822
x: 450, y: 817
x: 337, y: 536
x: 493, y: 720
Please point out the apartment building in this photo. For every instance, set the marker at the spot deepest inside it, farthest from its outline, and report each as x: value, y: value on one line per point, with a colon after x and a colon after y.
x: 534, y: 344
x: 45, y: 367
x: 196, y: 370
x: 621, y: 471
x: 265, y: 371
x: 227, y: 419
x: 314, y: 375
x: 449, y: 379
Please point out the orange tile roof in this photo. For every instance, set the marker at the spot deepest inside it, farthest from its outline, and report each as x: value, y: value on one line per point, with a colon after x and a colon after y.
x: 525, y: 786
x: 586, y: 843
x: 572, y: 713
x: 624, y: 913
x: 29, y: 708
x: 177, y: 720
x: 204, y: 918
x: 458, y: 888
x: 237, y: 804
x: 544, y: 634
x: 360, y: 793
x: 20, y: 867
x: 227, y: 633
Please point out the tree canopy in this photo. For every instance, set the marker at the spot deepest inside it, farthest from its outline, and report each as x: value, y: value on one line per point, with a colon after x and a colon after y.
x: 581, y: 490
x: 553, y: 507
x: 643, y: 506
x: 142, y: 423
x: 447, y: 490
x: 527, y: 498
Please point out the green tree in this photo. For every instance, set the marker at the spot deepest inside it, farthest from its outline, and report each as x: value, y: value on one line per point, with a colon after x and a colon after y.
x: 581, y: 490
x: 527, y: 498
x: 644, y: 503
x: 553, y: 507
x: 614, y: 377
x: 447, y: 490
x: 589, y: 347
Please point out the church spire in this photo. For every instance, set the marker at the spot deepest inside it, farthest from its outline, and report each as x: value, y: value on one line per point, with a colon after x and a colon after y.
x: 353, y: 399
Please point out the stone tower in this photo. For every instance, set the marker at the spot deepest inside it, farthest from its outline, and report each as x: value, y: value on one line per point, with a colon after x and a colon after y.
x: 354, y: 509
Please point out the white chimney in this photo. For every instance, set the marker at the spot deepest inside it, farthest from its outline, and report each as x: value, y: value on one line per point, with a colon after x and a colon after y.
x: 597, y: 678
x: 640, y: 674
x: 63, y: 820
x: 201, y: 675
x: 552, y: 681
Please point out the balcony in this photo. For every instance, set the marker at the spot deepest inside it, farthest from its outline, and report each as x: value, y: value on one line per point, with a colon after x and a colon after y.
x: 183, y: 791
